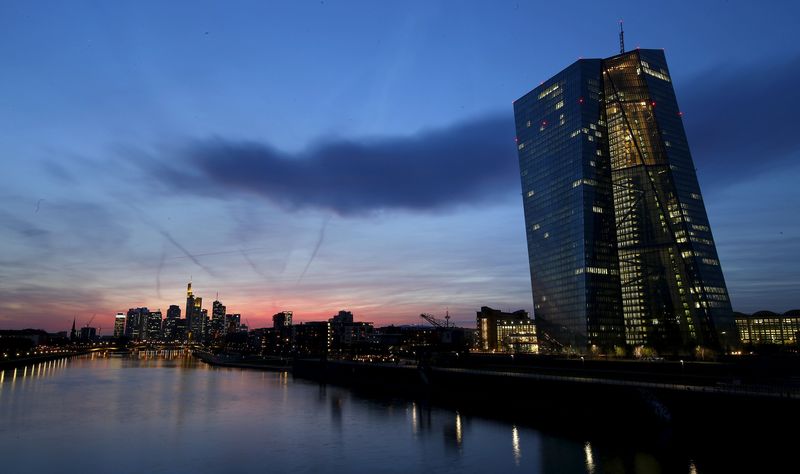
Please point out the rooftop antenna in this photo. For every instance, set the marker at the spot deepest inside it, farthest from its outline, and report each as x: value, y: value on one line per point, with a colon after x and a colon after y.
x: 621, y: 39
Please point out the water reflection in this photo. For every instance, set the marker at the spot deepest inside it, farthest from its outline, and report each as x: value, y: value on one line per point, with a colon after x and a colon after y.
x: 459, y: 435
x: 515, y: 444
x: 587, y: 450
x: 190, y: 417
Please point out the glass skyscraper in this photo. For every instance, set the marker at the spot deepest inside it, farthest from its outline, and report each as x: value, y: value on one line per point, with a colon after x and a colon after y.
x: 619, y: 243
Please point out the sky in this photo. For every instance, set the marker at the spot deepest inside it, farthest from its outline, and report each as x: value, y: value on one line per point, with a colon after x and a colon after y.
x: 316, y: 156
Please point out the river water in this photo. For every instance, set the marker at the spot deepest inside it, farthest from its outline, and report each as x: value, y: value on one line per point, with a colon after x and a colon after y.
x: 176, y: 415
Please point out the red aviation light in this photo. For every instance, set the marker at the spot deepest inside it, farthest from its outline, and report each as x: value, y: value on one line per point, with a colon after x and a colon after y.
x: 580, y: 100
x: 680, y: 114
x: 516, y: 139
x: 544, y: 123
x: 653, y: 103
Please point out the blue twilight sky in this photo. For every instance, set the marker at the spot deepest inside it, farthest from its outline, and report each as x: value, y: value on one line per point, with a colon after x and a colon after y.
x: 327, y: 155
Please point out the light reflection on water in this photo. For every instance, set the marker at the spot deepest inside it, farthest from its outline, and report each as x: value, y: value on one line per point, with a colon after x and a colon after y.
x: 169, y: 413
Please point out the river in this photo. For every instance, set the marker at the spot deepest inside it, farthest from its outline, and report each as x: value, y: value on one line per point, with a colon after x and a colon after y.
x: 177, y: 415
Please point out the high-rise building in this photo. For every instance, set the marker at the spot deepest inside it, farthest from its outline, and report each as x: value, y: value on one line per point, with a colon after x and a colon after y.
x: 152, y: 330
x: 136, y: 323
x: 201, y: 323
x: 217, y: 320
x: 232, y: 323
x: 195, y: 323
x: 119, y: 325
x: 619, y: 242
x: 189, y: 306
x: 282, y: 319
x: 171, y: 331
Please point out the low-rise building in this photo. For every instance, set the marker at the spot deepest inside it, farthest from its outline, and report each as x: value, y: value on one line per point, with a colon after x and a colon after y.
x: 499, y: 331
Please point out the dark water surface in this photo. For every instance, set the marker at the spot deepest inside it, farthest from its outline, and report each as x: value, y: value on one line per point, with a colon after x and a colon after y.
x: 177, y: 415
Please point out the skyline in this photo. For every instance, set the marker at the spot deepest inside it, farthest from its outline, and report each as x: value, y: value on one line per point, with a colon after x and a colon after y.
x: 122, y: 122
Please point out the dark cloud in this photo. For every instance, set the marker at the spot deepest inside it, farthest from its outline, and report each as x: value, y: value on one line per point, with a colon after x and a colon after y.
x: 742, y: 119
x: 739, y: 118
x: 435, y: 169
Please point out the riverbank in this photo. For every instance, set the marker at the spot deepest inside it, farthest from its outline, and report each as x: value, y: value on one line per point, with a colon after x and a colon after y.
x: 274, y: 364
x: 601, y: 396
x: 565, y: 390
x: 23, y: 361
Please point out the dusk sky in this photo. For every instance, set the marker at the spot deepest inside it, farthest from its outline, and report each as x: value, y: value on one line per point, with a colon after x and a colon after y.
x: 315, y: 156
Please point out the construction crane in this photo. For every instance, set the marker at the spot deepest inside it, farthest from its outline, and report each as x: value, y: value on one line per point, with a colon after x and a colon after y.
x: 435, y: 321
x: 90, y: 320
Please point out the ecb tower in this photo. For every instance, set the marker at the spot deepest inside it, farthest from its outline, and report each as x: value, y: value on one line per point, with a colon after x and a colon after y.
x: 620, y: 248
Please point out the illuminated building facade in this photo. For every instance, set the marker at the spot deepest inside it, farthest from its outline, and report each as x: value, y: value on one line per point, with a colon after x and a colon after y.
x: 152, y: 328
x: 119, y: 325
x: 619, y: 242
x: 506, y: 332
x: 189, y: 308
x: 136, y: 323
x: 172, y: 324
x: 217, y: 320
x: 766, y: 327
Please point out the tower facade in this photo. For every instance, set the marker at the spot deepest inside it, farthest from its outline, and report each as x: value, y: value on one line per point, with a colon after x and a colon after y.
x: 189, y: 306
x: 618, y: 238
x: 119, y: 325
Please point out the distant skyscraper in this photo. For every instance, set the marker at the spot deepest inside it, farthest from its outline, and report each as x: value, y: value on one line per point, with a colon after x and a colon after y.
x: 201, y: 325
x: 153, y: 326
x: 173, y: 312
x: 136, y: 323
x: 618, y: 239
x: 217, y: 319
x: 282, y: 319
x: 189, y: 306
x: 171, y: 325
x: 119, y: 325
x: 195, y: 323
x: 232, y: 323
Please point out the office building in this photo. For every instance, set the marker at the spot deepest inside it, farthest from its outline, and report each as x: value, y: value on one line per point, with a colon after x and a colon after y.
x: 153, y: 326
x: 499, y: 331
x: 232, y: 323
x: 768, y: 328
x: 171, y: 324
x: 619, y: 243
x: 119, y: 325
x: 135, y: 323
x: 282, y: 319
x: 217, y: 328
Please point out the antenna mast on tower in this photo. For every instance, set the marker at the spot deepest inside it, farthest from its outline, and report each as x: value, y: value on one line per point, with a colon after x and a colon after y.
x: 621, y: 39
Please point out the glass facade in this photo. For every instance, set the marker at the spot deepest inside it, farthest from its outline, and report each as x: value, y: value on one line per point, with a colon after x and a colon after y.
x: 619, y: 243
x: 568, y: 205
